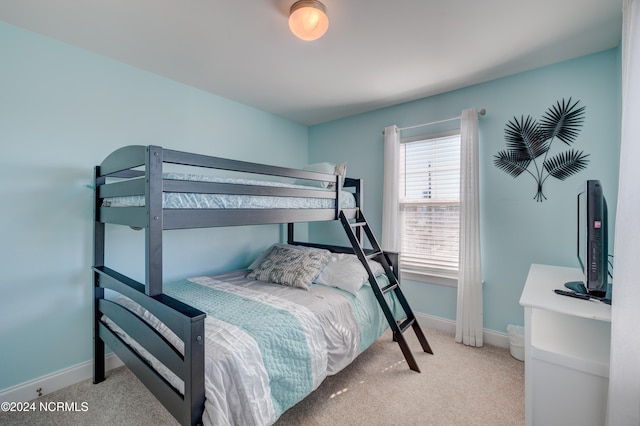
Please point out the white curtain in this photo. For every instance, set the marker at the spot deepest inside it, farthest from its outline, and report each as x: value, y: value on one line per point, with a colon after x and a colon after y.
x: 390, y: 196
x: 469, y: 311
x: 624, y: 375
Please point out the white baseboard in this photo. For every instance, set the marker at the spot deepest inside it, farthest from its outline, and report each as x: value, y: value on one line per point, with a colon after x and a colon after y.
x: 490, y: 337
x: 55, y: 381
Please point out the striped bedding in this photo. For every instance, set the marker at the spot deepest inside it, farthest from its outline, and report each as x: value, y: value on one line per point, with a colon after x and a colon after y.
x: 175, y: 200
x: 268, y: 346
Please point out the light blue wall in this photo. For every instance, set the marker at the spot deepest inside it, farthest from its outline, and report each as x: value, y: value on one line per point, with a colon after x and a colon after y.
x: 62, y: 110
x: 516, y: 230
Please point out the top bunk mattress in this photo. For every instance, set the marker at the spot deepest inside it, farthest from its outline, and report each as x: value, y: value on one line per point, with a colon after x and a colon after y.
x: 176, y: 200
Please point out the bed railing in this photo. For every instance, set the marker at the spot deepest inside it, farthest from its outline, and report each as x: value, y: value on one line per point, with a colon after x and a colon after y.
x: 123, y: 164
x: 186, y: 322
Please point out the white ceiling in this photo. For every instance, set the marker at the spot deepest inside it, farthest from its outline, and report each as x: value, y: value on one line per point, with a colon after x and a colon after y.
x: 376, y: 53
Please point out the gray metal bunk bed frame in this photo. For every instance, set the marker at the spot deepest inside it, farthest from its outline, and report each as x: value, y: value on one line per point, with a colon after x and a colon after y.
x: 139, y: 171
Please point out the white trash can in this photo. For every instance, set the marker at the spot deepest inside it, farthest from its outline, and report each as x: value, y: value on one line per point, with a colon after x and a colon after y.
x: 516, y: 341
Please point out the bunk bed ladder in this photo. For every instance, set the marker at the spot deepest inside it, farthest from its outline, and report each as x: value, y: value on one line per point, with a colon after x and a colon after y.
x: 397, y: 326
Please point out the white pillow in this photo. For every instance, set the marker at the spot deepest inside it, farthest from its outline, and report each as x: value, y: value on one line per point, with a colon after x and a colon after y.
x: 341, y: 169
x: 328, y: 168
x: 345, y: 272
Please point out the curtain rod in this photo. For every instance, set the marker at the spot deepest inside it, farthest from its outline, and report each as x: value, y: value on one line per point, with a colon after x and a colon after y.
x: 480, y: 112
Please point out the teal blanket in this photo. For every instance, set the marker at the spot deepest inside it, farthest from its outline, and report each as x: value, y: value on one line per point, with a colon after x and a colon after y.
x: 288, y: 365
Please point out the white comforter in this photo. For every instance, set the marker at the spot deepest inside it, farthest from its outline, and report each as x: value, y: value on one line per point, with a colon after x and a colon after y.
x: 250, y: 378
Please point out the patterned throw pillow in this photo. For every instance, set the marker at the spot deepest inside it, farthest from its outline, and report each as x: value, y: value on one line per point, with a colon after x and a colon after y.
x: 290, y: 267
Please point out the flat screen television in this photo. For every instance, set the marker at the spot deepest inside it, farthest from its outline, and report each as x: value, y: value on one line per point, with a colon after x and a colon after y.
x: 593, y: 237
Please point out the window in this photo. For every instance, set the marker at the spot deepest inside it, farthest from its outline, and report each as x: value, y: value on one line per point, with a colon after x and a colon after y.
x: 430, y: 207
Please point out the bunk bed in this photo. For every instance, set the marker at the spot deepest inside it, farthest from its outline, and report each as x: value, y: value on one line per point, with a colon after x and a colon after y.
x: 158, y: 329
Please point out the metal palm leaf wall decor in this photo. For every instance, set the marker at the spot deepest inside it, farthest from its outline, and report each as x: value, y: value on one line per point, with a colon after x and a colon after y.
x: 528, y: 140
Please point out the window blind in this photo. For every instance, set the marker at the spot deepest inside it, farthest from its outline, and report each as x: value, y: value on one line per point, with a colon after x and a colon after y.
x: 430, y: 206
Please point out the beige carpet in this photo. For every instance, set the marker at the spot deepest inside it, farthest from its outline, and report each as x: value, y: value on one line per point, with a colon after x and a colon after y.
x: 458, y: 385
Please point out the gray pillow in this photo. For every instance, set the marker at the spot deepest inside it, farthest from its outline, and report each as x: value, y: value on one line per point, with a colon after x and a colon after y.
x: 290, y: 267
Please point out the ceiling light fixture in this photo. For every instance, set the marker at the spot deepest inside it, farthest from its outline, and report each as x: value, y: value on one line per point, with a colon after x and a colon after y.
x: 308, y: 19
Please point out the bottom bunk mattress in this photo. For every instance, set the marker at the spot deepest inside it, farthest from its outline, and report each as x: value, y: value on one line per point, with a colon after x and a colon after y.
x: 268, y: 346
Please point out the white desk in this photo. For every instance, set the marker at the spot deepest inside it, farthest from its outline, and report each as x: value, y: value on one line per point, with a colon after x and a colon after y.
x: 566, y: 351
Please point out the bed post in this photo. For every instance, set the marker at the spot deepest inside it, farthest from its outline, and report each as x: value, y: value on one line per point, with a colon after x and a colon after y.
x: 98, y: 292
x: 338, y: 186
x: 359, y: 192
x: 153, y: 231
x: 194, y: 378
x: 290, y: 236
